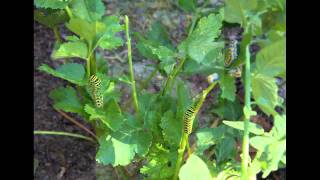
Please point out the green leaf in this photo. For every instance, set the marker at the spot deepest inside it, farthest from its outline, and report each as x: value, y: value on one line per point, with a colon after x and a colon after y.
x: 272, y: 157
x: 159, y: 35
x: 235, y: 10
x: 188, y: 5
x: 225, y: 149
x: 89, y: 10
x: 184, y: 100
x: 66, y: 99
x: 166, y: 57
x: 110, y: 116
x: 171, y: 128
x: 50, y: 17
x: 53, y: 4
x: 253, y: 127
x: 120, y: 147
x: 271, y: 60
x: 207, y: 137
x: 102, y: 65
x: 228, y: 110
x: 112, y: 26
x: 98, y: 33
x: 228, y: 87
x: 71, y: 72
x: 261, y: 142
x: 161, y: 163
x: 71, y: 49
x: 279, y: 128
x: 194, y: 168
x: 201, y: 40
x: 265, y: 92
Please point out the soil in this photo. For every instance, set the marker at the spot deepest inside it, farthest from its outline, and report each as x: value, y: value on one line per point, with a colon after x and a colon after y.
x: 55, y: 159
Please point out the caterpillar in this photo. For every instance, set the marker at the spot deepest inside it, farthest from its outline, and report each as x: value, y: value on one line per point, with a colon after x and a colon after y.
x: 236, y: 72
x: 231, y: 52
x: 95, y: 84
x: 187, y: 120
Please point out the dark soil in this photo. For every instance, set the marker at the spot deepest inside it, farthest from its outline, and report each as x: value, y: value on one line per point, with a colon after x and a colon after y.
x: 58, y: 157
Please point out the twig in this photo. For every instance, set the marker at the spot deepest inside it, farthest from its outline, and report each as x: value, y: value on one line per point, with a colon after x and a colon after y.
x: 77, y: 123
x: 59, y: 133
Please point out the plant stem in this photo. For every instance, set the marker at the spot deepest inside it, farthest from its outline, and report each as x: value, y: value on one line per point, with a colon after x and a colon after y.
x: 133, y: 82
x: 185, y: 137
x: 68, y: 10
x: 77, y: 123
x: 64, y: 134
x: 93, y: 64
x: 170, y: 80
x: 245, y: 142
x: 57, y: 34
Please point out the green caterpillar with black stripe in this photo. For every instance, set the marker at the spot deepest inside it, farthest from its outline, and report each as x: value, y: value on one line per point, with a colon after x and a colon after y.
x: 95, y: 84
x: 188, y: 119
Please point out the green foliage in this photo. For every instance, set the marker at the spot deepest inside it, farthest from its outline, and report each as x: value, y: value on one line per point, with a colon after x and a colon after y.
x: 195, y: 168
x: 160, y: 164
x: 271, y: 147
x: 271, y: 60
x: 71, y: 49
x: 228, y: 110
x: 201, y: 41
x: 120, y: 147
x: 50, y: 17
x: 111, y: 115
x: 157, y: 46
x: 98, y: 33
x: 228, y: 87
x: 66, y: 99
x: 53, y: 4
x: 188, y: 5
x: 71, y: 72
x: 253, y: 127
x: 89, y: 10
x: 265, y: 92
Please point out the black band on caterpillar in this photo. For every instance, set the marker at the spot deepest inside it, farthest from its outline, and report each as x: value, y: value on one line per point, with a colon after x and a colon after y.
x: 95, y: 84
x: 187, y: 120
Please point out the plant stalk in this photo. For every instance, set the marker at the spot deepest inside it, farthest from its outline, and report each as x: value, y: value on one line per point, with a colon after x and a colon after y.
x: 57, y: 34
x: 133, y: 82
x: 185, y: 137
x: 172, y: 76
x: 63, y: 134
x: 68, y: 10
x: 245, y: 142
x: 170, y: 80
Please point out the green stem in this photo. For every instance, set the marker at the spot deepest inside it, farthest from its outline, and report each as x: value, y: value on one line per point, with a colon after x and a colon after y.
x: 133, y: 82
x: 170, y: 80
x: 172, y: 76
x: 93, y: 64
x: 68, y: 10
x: 185, y: 137
x: 64, y: 134
x: 245, y: 142
x: 57, y: 34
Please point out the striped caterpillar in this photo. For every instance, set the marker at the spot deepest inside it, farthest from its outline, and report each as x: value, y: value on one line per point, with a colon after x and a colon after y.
x: 231, y: 52
x: 187, y: 120
x: 95, y: 84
